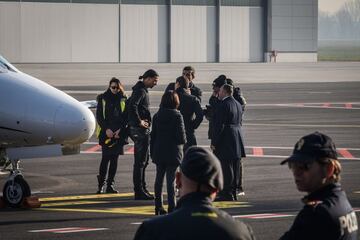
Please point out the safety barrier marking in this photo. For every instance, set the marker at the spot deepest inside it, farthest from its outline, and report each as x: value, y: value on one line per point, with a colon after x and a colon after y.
x: 264, y: 216
x: 59, y: 204
x: 258, y: 151
x: 326, y: 105
x: 85, y: 197
x: 345, y: 153
x: 68, y: 230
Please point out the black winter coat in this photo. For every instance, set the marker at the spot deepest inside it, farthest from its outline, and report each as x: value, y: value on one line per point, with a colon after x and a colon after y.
x: 194, y: 219
x: 138, y: 105
x: 167, y: 137
x: 191, y: 110
x: 195, y: 91
x: 113, y: 116
x: 227, y: 136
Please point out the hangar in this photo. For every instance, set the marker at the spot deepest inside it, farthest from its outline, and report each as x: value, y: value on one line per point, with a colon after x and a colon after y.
x: 158, y: 31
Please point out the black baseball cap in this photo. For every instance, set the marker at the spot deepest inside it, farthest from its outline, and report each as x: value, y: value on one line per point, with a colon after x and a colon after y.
x: 313, y: 147
x: 202, y: 166
x: 219, y: 81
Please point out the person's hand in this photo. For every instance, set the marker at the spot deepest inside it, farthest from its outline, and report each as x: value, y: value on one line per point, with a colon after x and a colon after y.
x: 212, y: 147
x: 188, y: 91
x: 109, y: 133
x: 116, y: 134
x: 144, y: 124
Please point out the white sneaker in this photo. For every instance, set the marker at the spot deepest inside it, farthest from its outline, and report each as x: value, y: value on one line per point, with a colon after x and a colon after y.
x: 241, y: 193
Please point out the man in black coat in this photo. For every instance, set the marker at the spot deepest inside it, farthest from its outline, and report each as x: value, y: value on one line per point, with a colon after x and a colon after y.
x: 188, y: 73
x: 194, y: 218
x: 139, y: 122
x: 327, y: 213
x: 190, y: 109
x: 227, y: 142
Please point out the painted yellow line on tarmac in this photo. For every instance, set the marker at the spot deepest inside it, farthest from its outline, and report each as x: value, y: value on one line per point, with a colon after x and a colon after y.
x: 140, y: 210
x: 58, y: 204
x: 84, y: 197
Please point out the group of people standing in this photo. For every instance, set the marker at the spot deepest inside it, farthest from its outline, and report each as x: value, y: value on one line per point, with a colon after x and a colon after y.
x: 170, y: 133
x: 169, y: 137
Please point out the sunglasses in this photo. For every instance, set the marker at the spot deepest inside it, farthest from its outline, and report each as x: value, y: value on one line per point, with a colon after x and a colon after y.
x: 114, y: 87
x: 189, y: 74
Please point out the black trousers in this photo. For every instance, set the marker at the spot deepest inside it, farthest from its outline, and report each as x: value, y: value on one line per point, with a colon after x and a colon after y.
x: 232, y: 176
x: 104, y: 164
x: 170, y: 171
x: 190, y: 140
x: 141, y: 138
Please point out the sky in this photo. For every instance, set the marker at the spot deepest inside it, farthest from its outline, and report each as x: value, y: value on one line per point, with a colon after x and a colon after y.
x: 330, y: 6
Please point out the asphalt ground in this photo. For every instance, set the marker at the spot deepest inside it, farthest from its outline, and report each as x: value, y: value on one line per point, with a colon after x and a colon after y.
x: 277, y: 115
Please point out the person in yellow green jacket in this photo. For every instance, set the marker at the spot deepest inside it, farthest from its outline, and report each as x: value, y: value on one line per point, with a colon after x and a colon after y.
x: 112, y: 121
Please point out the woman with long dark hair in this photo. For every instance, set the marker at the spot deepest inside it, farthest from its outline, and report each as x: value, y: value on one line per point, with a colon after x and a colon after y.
x: 112, y: 132
x: 166, y: 147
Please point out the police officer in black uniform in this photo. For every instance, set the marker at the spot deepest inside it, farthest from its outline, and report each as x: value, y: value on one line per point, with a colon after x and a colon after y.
x: 199, y: 179
x: 139, y: 122
x: 327, y: 213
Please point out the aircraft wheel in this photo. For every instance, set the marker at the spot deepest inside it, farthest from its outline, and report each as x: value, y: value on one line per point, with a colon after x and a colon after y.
x: 16, y: 191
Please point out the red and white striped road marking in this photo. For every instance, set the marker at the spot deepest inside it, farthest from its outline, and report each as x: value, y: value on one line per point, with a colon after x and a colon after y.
x: 345, y: 153
x: 130, y: 150
x: 326, y: 105
x: 348, y: 105
x: 68, y: 230
x: 258, y: 151
x: 93, y: 149
x: 264, y: 216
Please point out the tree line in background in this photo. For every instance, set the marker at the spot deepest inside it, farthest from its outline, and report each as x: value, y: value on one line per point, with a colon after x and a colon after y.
x: 342, y: 25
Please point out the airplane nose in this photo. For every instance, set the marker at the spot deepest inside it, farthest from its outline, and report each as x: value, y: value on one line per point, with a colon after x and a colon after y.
x: 74, y: 125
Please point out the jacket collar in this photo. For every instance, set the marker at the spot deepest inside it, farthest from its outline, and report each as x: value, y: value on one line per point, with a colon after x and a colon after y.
x: 322, y: 192
x: 194, y: 198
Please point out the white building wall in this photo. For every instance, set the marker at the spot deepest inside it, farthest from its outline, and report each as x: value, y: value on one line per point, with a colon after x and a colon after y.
x: 241, y: 34
x: 143, y: 33
x: 45, y: 32
x: 10, y: 31
x: 94, y: 32
x: 193, y: 33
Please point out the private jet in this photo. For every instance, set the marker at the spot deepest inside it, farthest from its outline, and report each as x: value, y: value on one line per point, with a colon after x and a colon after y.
x: 36, y: 120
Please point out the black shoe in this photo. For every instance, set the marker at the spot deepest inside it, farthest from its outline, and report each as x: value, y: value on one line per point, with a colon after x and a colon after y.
x: 148, y: 193
x: 142, y: 196
x: 110, y: 189
x: 160, y: 211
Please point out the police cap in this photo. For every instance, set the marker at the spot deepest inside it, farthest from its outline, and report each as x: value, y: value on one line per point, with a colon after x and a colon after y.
x: 201, y: 166
x: 313, y: 147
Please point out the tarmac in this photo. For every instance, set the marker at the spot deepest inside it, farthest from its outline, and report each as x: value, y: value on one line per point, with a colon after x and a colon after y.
x: 277, y: 115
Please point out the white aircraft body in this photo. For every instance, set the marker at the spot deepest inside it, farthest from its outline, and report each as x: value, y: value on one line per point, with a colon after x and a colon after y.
x: 36, y: 120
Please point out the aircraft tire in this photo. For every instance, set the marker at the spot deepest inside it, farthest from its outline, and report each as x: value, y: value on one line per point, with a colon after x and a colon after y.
x: 15, y: 193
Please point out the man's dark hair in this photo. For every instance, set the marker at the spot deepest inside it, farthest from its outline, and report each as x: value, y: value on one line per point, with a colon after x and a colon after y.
x: 189, y: 68
x: 149, y: 73
x: 183, y: 82
x: 228, y: 89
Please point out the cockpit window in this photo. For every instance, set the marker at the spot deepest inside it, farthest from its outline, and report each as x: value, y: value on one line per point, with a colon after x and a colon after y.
x: 5, y: 65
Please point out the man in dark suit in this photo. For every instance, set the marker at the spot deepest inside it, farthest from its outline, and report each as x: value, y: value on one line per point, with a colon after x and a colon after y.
x: 188, y: 73
x: 227, y: 142
x: 190, y: 109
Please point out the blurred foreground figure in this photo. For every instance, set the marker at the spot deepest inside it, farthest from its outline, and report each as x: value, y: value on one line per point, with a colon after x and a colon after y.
x: 199, y: 180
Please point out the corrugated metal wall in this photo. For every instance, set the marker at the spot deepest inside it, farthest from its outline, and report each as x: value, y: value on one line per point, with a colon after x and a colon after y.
x: 143, y: 36
x: 241, y: 34
x: 59, y: 32
x: 156, y: 30
x: 193, y: 33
